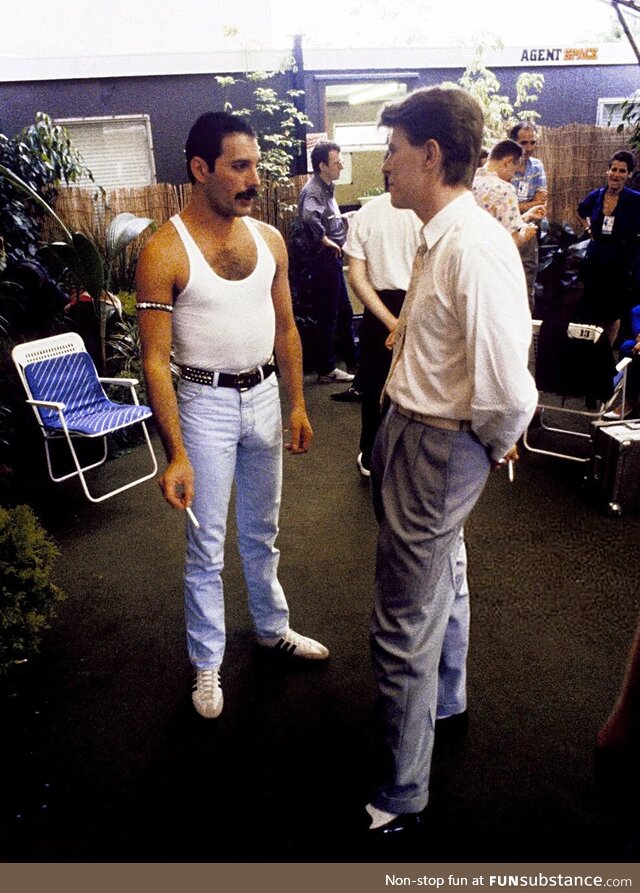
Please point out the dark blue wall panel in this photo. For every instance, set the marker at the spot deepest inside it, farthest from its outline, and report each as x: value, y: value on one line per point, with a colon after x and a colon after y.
x: 570, y: 94
x: 174, y: 102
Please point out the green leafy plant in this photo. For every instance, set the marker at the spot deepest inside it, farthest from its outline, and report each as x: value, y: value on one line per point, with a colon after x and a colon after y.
x: 77, y: 252
x: 123, y: 342
x: 121, y: 249
x: 89, y: 266
x: 128, y: 303
x: 32, y: 305
x: 272, y: 112
x: 274, y: 117
x: 43, y: 157
x: 28, y: 596
x: 631, y: 120
x: 500, y: 113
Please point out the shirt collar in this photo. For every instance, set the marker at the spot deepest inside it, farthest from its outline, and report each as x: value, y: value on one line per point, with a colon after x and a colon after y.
x: 433, y: 230
x: 484, y: 173
x: 328, y: 187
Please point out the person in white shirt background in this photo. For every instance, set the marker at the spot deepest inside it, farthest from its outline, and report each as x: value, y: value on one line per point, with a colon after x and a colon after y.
x: 381, y: 244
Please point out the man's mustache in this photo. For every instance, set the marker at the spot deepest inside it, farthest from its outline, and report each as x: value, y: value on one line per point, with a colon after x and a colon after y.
x: 249, y: 193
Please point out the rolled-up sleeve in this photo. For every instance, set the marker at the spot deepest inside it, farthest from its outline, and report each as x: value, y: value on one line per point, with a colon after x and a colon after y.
x: 311, y: 213
x: 508, y: 212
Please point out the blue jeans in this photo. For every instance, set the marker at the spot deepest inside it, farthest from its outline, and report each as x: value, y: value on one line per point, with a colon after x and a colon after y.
x: 232, y: 436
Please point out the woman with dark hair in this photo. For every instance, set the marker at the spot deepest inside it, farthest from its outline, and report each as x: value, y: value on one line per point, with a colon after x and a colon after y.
x: 611, y: 270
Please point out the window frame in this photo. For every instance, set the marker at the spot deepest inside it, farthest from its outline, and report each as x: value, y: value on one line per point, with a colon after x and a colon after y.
x: 141, y: 118
x: 605, y: 114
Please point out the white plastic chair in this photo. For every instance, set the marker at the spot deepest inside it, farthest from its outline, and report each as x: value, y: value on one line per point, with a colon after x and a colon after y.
x: 69, y: 401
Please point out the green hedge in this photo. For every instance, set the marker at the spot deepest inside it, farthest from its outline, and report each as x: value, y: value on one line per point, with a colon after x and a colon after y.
x: 28, y: 596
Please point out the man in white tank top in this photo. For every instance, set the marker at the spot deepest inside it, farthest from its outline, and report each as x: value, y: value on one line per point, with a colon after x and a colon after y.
x: 212, y: 286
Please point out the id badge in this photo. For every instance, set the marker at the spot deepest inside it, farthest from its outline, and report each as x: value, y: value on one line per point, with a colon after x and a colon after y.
x: 523, y: 189
x: 607, y: 225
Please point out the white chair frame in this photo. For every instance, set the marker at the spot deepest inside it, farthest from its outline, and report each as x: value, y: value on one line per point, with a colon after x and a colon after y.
x: 588, y: 333
x: 56, y: 346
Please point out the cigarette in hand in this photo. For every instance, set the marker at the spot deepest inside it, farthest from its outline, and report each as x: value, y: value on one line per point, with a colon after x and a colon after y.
x: 192, y: 517
x: 511, y: 469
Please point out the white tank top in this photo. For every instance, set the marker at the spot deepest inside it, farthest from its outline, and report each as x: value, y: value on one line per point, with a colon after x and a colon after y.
x: 220, y: 324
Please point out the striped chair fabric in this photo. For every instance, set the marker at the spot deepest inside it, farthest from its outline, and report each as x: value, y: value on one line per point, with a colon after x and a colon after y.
x: 72, y: 379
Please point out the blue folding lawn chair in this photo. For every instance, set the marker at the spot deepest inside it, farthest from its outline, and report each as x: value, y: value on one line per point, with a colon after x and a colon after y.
x: 69, y: 402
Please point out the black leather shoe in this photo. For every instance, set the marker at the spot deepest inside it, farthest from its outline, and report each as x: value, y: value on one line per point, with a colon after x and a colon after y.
x: 351, y: 395
x: 453, y: 726
x: 401, y: 827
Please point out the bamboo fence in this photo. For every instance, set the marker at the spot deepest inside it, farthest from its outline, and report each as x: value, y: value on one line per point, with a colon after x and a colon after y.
x: 575, y: 158
x: 90, y: 211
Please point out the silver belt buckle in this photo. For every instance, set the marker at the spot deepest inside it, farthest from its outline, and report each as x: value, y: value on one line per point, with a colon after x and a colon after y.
x: 245, y: 381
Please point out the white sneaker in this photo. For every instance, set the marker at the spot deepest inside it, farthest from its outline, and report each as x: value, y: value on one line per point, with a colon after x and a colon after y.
x: 207, y: 694
x: 296, y: 645
x: 364, y: 471
x: 336, y: 375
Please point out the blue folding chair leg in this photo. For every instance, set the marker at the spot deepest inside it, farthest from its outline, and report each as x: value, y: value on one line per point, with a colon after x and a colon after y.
x: 81, y: 469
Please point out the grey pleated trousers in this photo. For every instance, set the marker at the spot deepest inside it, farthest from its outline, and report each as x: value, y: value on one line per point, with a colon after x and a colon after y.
x: 425, y: 483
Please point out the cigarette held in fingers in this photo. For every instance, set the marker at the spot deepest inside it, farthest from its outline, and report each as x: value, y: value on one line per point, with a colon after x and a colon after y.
x: 511, y: 469
x: 192, y: 517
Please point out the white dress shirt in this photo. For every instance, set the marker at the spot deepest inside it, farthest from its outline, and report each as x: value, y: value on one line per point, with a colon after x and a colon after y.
x: 387, y: 239
x: 462, y: 342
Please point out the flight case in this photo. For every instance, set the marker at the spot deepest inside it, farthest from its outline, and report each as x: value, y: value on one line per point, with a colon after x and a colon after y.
x: 614, y: 474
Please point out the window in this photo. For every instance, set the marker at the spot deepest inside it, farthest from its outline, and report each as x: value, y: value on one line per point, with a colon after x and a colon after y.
x: 117, y: 150
x: 360, y: 137
x: 353, y: 110
x: 609, y: 112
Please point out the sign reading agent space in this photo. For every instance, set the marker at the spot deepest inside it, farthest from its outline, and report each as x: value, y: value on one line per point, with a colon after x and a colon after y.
x: 559, y: 54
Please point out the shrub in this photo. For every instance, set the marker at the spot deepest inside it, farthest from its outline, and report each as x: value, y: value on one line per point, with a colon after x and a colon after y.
x: 43, y: 157
x: 28, y: 596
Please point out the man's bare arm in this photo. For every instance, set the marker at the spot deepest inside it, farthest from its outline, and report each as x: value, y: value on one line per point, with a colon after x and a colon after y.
x: 359, y: 282
x: 155, y: 284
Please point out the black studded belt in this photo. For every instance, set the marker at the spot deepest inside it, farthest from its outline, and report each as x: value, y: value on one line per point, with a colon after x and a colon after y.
x: 242, y: 381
